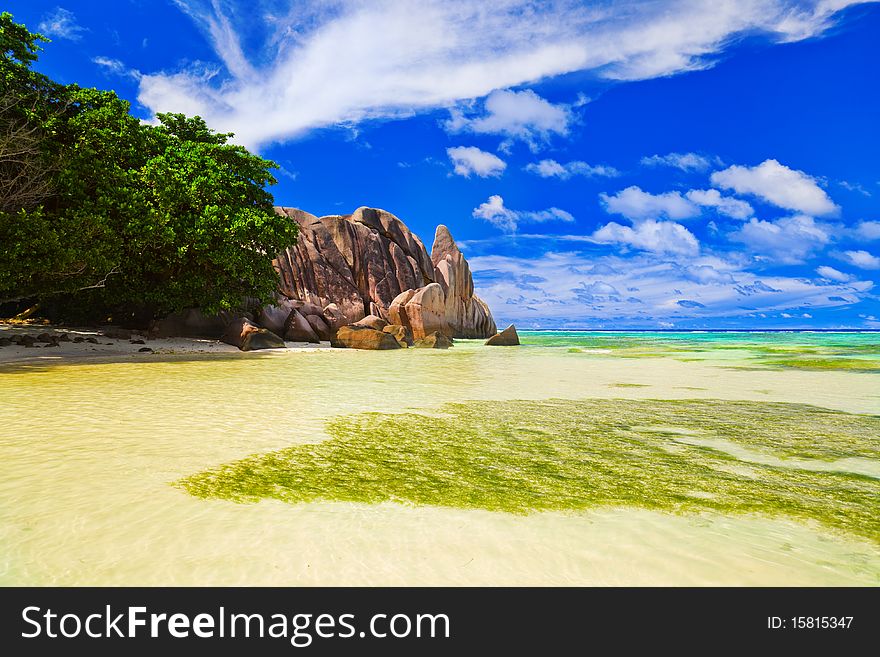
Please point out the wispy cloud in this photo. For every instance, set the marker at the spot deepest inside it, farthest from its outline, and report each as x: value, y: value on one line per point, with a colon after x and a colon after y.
x: 832, y: 274
x: 496, y: 213
x: 572, y: 288
x: 317, y: 63
x: 683, y: 161
x: 854, y: 187
x: 116, y: 67
x: 553, y: 169
x: 61, y: 24
x: 789, y: 240
x: 726, y: 205
x: 861, y: 259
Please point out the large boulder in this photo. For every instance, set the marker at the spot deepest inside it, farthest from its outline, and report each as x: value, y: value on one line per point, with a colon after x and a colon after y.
x: 333, y: 317
x: 274, y: 317
x: 298, y: 329
x: 113, y: 332
x: 372, y: 321
x: 422, y: 310
x: 319, y: 326
x: 247, y: 336
x: 359, y: 262
x: 401, y: 333
x: 435, y: 340
x: 370, y: 263
x: 363, y: 337
x: 507, y: 338
x: 305, y: 309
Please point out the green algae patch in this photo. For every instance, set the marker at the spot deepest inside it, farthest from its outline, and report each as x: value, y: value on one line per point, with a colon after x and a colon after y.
x: 554, y: 455
x: 825, y: 364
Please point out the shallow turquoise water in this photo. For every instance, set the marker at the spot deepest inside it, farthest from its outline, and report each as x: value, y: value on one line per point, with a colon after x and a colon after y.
x: 750, y: 348
x: 844, y: 342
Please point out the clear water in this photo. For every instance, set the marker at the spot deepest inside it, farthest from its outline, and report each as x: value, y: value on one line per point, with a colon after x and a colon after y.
x: 89, y: 452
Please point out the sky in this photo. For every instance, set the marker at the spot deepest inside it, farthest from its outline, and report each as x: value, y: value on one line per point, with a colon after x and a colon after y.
x: 643, y: 164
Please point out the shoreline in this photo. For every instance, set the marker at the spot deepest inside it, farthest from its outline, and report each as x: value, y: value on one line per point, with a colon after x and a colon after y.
x: 117, y: 349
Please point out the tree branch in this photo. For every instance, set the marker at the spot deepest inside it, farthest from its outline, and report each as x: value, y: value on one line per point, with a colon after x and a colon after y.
x: 100, y: 284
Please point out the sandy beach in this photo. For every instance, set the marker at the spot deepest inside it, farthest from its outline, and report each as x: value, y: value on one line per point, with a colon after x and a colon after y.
x: 95, y: 444
x: 78, y: 344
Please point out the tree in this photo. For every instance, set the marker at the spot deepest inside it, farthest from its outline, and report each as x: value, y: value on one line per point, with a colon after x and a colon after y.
x: 207, y: 231
x: 25, y: 175
x: 132, y: 220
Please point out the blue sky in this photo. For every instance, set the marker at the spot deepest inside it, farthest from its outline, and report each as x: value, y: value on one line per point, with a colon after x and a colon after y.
x: 662, y: 164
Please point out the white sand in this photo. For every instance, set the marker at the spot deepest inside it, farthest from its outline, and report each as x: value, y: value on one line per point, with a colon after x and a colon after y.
x: 109, y: 348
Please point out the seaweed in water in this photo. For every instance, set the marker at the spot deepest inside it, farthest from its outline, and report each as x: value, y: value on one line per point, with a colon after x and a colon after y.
x: 525, y: 456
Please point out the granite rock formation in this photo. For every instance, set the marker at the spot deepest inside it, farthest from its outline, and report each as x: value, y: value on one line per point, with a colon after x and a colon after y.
x: 365, y: 270
x: 435, y: 340
x: 401, y: 333
x: 191, y: 323
x: 247, y: 336
x: 507, y: 338
x: 369, y: 263
x: 363, y: 337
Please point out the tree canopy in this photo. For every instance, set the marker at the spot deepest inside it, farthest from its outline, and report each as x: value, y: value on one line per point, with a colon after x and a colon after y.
x: 103, y: 215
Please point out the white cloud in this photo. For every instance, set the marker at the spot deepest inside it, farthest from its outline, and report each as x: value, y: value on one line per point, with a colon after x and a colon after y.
x: 553, y: 169
x: 637, y: 205
x: 318, y: 63
x: 600, y: 288
x: 788, y: 240
x: 469, y: 160
x: 515, y: 115
x: 833, y: 274
x: 777, y: 184
x: 563, y: 288
x: 706, y: 274
x: 861, y: 259
x: 683, y: 161
x: 868, y: 230
x: 61, y: 24
x: 726, y: 205
x: 853, y: 187
x: 495, y: 212
x: 650, y: 235
x: 116, y: 67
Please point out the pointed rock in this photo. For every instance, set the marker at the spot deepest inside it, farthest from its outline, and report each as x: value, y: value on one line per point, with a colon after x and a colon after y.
x: 507, y: 338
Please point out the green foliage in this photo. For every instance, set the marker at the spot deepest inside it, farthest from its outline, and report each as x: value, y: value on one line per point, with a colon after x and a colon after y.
x: 138, y: 219
x: 777, y: 459
x: 18, y: 45
x: 19, y: 48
